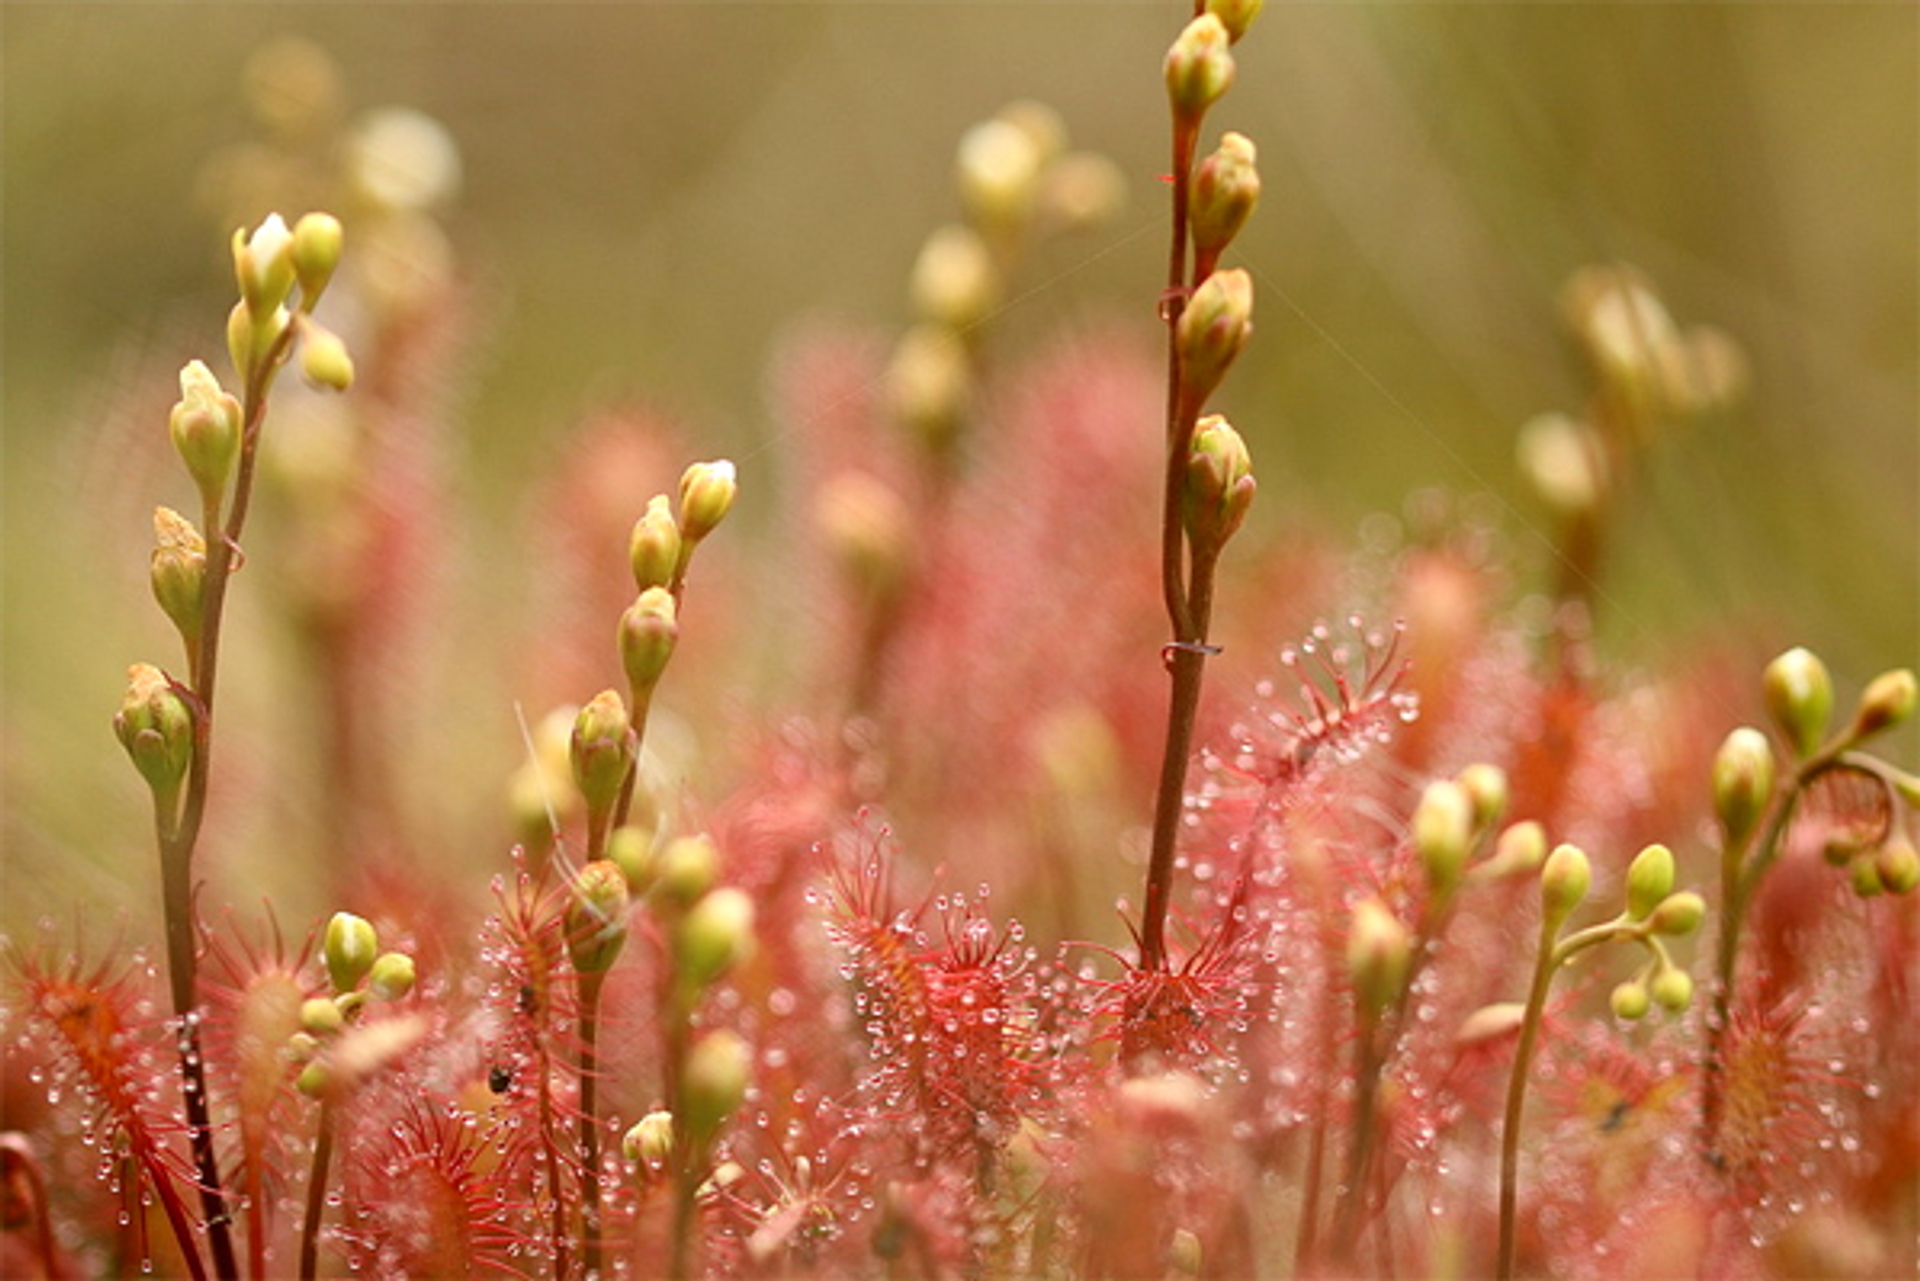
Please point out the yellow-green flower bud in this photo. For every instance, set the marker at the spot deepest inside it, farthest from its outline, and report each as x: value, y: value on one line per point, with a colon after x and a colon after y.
x: 714, y: 1081
x: 1800, y: 695
x: 649, y: 1141
x: 314, y: 1080
x: 686, y: 869
x: 1486, y: 787
x: 1226, y: 187
x: 1220, y: 482
x: 997, y: 170
x: 597, y: 918
x: 1378, y: 953
x: 1212, y: 330
x: 320, y: 1016
x: 1236, y: 15
x: 323, y: 358
x: 929, y: 382
x: 1888, y: 701
x: 155, y: 725
x: 1742, y: 783
x: 303, y: 1046
x: 1518, y: 850
x: 350, y: 947
x: 868, y: 528
x: 178, y: 571
x: 1565, y: 461
x: 263, y: 264
x: 1630, y: 1000
x: 648, y: 631
x: 1184, y: 1253
x: 653, y: 549
x: 1678, y: 914
x: 1199, y: 68
x: 1671, y: 988
x: 317, y: 240
x: 1443, y: 834
x: 1649, y: 881
x: 1489, y: 1022
x: 631, y: 850
x: 1564, y: 882
x: 706, y: 496
x: 602, y: 750
x: 1863, y: 873
x: 954, y: 282
x: 1898, y: 864
x: 205, y: 426
x: 715, y: 935
x: 391, y: 977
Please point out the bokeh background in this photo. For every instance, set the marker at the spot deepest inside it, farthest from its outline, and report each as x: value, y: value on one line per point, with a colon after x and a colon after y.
x: 652, y: 195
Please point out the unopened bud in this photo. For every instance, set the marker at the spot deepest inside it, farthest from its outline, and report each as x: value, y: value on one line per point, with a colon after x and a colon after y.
x: 323, y: 358
x: 1678, y: 914
x: 868, y: 528
x: 653, y: 549
x: 929, y: 382
x: 1564, y: 882
x: 1486, y: 787
x: 391, y: 977
x: 1518, y: 850
x: 1898, y: 864
x: 263, y: 264
x: 1630, y: 1000
x: 1742, y: 782
x: 1800, y: 696
x: 597, y: 918
x: 714, y: 1081
x: 1199, y: 67
x: 1490, y: 1022
x: 205, y: 426
x: 648, y: 632
x: 1649, y: 880
x: 1671, y: 988
x: 714, y: 936
x: 954, y: 282
x: 1565, y: 461
x: 1378, y: 952
x: 1226, y: 187
x: 686, y: 869
x: 317, y: 240
x: 1888, y: 701
x: 155, y: 725
x: 602, y: 750
x: 1235, y: 15
x: 1443, y: 834
x: 706, y: 496
x: 649, y: 1141
x: 1220, y: 482
x: 350, y: 948
x: 631, y: 850
x: 1212, y: 330
x: 178, y: 571
x: 1863, y: 874
x: 997, y: 171
x: 320, y: 1016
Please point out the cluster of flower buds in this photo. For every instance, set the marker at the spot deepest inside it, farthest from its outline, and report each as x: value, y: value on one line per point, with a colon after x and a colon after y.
x: 1878, y: 855
x: 334, y: 1047
x: 1649, y: 370
x: 271, y: 263
x: 659, y: 551
x: 1654, y: 911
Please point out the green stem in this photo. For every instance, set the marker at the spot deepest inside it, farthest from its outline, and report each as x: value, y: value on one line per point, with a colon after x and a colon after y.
x: 1545, y: 962
x: 317, y: 1192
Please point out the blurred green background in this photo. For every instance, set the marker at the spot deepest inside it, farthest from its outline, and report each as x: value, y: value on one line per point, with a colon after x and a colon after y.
x: 654, y: 193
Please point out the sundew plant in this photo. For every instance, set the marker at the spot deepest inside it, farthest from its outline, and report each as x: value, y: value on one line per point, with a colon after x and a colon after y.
x: 1104, y: 883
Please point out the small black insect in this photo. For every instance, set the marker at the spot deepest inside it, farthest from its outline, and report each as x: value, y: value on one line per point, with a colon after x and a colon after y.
x: 499, y: 1079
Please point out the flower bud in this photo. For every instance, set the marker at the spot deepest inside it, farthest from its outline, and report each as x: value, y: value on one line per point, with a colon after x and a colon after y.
x: 1443, y: 834
x: 714, y: 1081
x: 1649, y: 881
x: 1863, y: 874
x: 631, y: 850
x: 1521, y: 848
x: 929, y: 382
x: 1898, y: 864
x: 155, y: 725
x: 205, y: 426
x: 649, y: 1141
x: 1199, y: 68
x: 653, y: 549
x: 648, y: 632
x: 178, y: 571
x: 1888, y: 701
x: 1564, y: 882
x: 1742, y: 783
x: 1378, y: 952
x: 1235, y: 15
x: 602, y: 750
x: 686, y: 869
x: 320, y: 1016
x: 324, y: 361
x: 868, y: 528
x: 954, y: 282
x: 1490, y: 1022
x: 1212, y: 330
x: 350, y: 948
x: 997, y: 170
x: 263, y: 264
x: 1220, y: 482
x: 1565, y: 461
x: 1800, y: 696
x: 391, y: 977
x: 1226, y: 187
x: 714, y: 936
x: 317, y: 240
x: 1629, y: 1000
x: 1671, y: 988
x: 1678, y: 914
x: 597, y: 918
x: 706, y: 495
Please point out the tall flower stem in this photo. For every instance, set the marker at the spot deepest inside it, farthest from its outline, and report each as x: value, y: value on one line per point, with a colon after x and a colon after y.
x: 317, y: 1192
